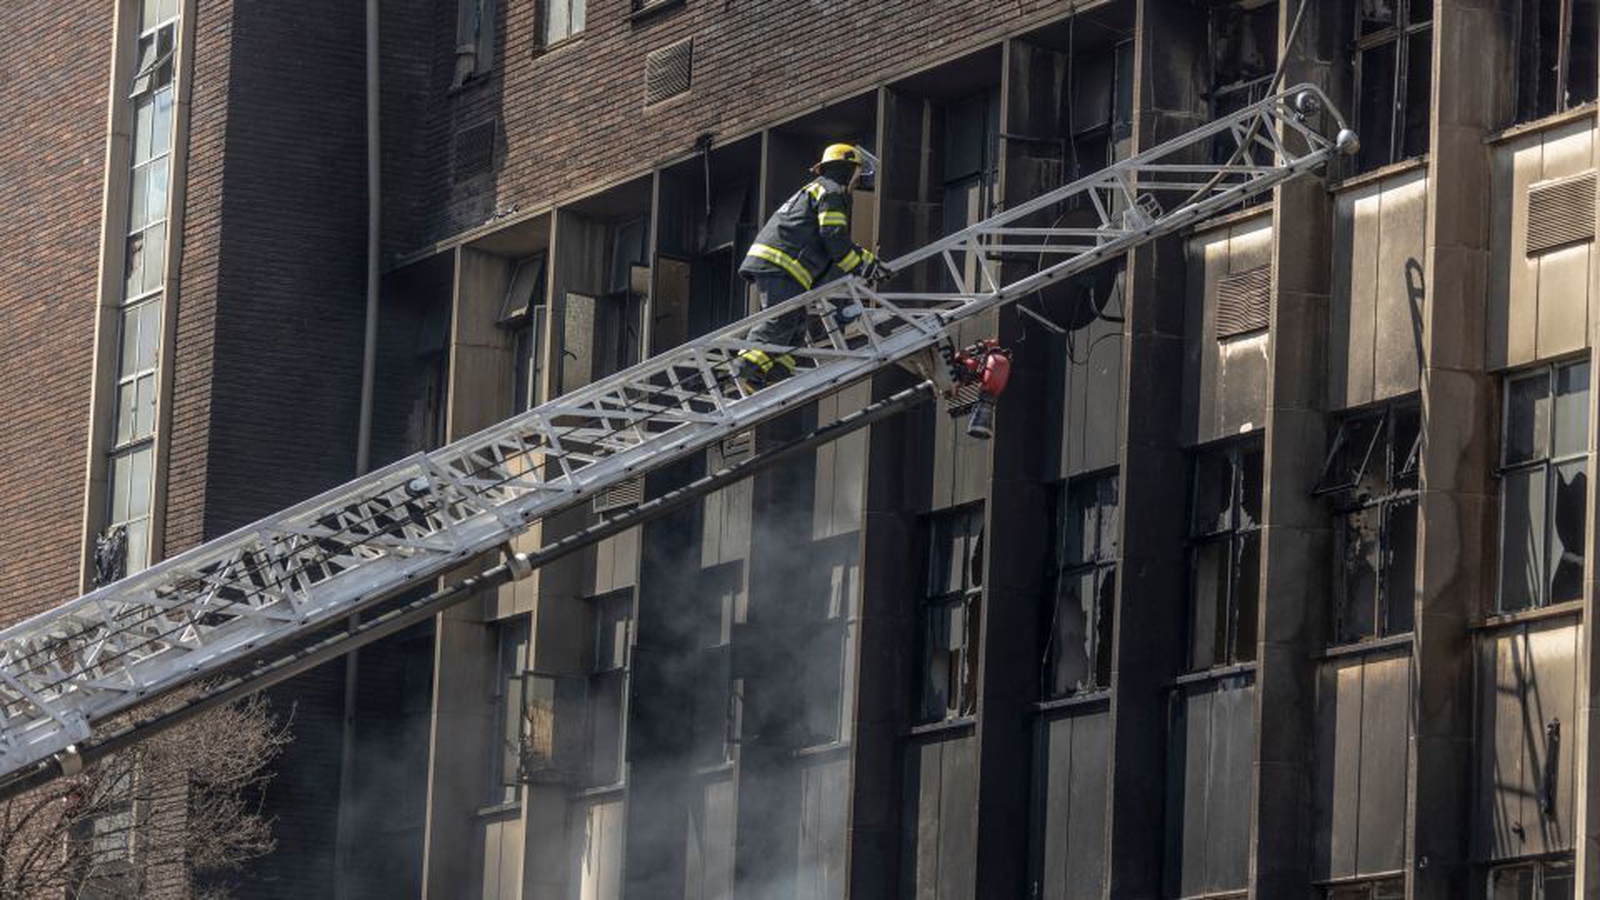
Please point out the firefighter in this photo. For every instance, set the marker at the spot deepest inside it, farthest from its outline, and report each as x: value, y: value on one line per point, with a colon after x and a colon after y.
x: 807, y: 237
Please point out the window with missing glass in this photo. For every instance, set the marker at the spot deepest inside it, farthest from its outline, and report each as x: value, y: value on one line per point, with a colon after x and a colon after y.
x: 1549, y: 879
x: 1377, y: 889
x: 950, y: 611
x: 507, y: 701
x: 1393, y: 66
x: 1555, y: 55
x: 1543, y: 485
x: 1369, y: 479
x: 1244, y: 52
x: 475, y: 20
x: 1078, y: 640
x: 523, y: 314
x: 608, y: 685
x: 1224, y: 553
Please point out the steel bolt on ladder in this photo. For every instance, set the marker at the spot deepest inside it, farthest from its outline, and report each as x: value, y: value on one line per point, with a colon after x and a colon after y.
x: 67, y: 672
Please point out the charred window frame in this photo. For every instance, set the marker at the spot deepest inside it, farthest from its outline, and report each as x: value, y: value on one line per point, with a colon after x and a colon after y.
x: 1556, y: 64
x: 1224, y: 553
x: 1244, y: 53
x: 1543, y: 485
x: 1376, y: 889
x: 1393, y: 57
x: 1547, y: 879
x: 506, y: 698
x: 950, y: 614
x: 523, y: 313
x: 1077, y: 655
x: 1101, y: 111
x: 1369, y: 479
x: 830, y: 593
x: 608, y: 686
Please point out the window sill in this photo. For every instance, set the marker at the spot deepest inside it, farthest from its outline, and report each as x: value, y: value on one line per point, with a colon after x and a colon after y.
x: 1573, y: 608
x: 1362, y: 648
x: 500, y: 810
x: 471, y: 85
x: 714, y: 770
x: 571, y: 40
x: 1217, y: 674
x: 1373, y: 176
x: 942, y: 729
x: 601, y: 792
x: 1512, y: 132
x: 1095, y: 697
x: 1231, y: 219
x: 828, y: 749
x: 650, y: 10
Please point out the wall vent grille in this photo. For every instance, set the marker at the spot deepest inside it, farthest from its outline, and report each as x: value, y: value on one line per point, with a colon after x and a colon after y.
x: 474, y: 149
x: 667, y: 72
x: 621, y: 495
x: 1244, y: 300
x: 1560, y: 212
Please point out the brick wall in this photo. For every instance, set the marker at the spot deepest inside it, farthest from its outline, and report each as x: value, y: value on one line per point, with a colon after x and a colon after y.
x: 574, y: 116
x: 56, y: 59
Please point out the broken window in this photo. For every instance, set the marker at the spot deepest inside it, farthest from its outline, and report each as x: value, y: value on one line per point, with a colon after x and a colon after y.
x: 1378, y: 889
x: 950, y: 615
x: 506, y: 698
x: 1244, y: 53
x: 1078, y: 639
x: 563, y: 19
x: 1100, y: 115
x: 1543, y: 486
x: 1370, y: 479
x: 715, y: 714
x: 474, y: 40
x: 608, y: 685
x: 523, y: 312
x: 1225, y: 553
x: 1549, y: 879
x: 1555, y: 55
x: 830, y: 594
x: 1393, y: 63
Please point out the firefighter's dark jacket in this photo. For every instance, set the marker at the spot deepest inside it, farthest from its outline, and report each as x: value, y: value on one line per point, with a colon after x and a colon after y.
x: 808, y: 233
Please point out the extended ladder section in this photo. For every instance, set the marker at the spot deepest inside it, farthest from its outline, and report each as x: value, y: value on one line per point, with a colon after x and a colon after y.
x: 66, y: 672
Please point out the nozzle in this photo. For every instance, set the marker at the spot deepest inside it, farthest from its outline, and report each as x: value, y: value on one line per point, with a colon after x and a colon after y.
x: 1347, y: 141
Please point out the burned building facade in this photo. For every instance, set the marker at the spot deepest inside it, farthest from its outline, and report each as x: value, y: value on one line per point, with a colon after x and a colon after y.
x: 1273, y: 581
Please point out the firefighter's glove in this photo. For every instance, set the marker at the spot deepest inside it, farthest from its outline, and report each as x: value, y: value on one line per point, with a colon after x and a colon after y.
x: 873, y: 271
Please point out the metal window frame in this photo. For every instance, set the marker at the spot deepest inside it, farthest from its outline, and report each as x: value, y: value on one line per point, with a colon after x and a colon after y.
x: 1399, y: 34
x: 1099, y: 562
x: 1540, y: 866
x: 1564, y: 40
x: 1547, y: 462
x: 1343, y: 504
x: 1234, y: 535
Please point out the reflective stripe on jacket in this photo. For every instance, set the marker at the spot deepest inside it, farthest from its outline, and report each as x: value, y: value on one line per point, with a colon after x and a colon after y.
x: 808, y: 233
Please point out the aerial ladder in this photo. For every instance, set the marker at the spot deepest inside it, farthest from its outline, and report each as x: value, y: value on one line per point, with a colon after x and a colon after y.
x: 251, y: 608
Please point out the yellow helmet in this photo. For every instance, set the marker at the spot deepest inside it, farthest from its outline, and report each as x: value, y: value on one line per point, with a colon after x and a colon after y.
x: 840, y: 153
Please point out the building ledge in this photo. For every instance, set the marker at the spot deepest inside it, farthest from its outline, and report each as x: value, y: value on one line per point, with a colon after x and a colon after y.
x: 653, y: 9
x: 1362, y: 648
x: 1572, y: 609
x: 1381, y: 173
x: 1554, y: 120
x: 1097, y: 697
x: 947, y: 728
x: 1217, y: 674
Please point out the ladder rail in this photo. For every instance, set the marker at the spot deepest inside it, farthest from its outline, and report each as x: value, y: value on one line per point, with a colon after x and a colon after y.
x: 348, y: 548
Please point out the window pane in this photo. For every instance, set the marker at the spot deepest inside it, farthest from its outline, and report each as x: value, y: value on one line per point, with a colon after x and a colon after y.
x: 1104, y: 610
x: 161, y: 122
x: 1581, y: 62
x: 1567, y: 530
x: 612, y: 615
x: 1208, y: 593
x: 936, y: 663
x: 1405, y: 447
x: 127, y: 410
x: 121, y: 468
x: 139, y: 482
x: 1512, y: 884
x: 1107, y: 547
x: 1358, y: 574
x: 155, y: 255
x: 144, y: 422
x: 1400, y: 567
x: 1375, y: 114
x: 579, y: 14
x: 143, y: 114
x: 138, y: 546
x: 1571, y: 426
x: 149, y: 314
x: 1375, y: 15
x: 1421, y: 11
x: 556, y: 22
x: 135, y: 264
x: 1080, y: 524
x: 1213, y: 494
x: 1522, y: 539
x: 1071, y: 633
x: 823, y: 690
x: 1527, y: 418
x: 606, y: 728
x: 1356, y: 460
x: 1557, y: 881
x: 1250, y: 485
x: 139, y: 203
x: 1247, y: 592
x: 1419, y: 98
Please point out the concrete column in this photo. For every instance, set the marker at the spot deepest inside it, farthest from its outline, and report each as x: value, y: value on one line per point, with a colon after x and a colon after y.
x: 1455, y: 543
x: 1296, y: 538
x: 1148, y: 640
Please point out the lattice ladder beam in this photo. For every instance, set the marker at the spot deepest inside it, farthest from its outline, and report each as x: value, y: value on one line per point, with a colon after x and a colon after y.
x: 299, y: 570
